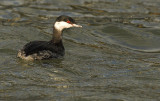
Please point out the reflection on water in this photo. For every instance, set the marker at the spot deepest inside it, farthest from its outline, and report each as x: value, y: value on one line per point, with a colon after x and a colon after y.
x: 115, y: 56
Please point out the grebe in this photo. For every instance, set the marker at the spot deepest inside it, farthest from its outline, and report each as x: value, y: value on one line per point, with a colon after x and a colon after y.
x: 38, y: 50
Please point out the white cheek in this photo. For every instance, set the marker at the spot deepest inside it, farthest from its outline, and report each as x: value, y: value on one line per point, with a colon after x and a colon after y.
x: 61, y: 25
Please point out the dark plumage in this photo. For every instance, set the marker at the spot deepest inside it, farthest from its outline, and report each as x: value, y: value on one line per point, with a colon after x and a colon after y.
x: 37, y: 50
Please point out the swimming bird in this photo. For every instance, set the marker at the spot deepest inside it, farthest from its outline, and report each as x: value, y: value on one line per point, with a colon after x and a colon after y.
x: 38, y: 50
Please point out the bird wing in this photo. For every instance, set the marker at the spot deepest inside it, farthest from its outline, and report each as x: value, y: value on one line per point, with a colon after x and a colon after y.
x: 34, y: 47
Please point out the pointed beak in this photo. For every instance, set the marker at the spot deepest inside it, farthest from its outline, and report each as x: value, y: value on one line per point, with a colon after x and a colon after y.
x: 75, y: 25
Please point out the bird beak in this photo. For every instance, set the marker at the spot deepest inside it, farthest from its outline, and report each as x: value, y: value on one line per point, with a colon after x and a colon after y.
x: 75, y: 25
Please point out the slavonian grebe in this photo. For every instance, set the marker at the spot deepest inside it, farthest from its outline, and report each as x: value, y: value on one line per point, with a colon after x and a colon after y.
x: 37, y: 50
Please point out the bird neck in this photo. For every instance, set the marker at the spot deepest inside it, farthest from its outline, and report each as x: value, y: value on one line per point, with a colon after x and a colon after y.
x: 57, y: 35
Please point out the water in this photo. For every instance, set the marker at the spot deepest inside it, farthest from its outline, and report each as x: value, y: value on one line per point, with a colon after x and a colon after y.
x: 114, y: 57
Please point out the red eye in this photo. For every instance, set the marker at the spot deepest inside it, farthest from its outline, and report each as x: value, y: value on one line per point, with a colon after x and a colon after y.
x: 68, y: 21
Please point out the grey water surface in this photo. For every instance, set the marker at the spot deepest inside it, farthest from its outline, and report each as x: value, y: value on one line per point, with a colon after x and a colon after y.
x: 114, y: 57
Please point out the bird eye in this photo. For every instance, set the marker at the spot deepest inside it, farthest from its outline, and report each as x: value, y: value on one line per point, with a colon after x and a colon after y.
x: 68, y: 21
